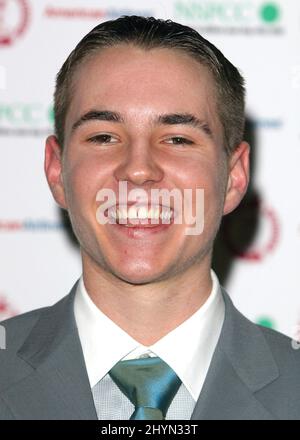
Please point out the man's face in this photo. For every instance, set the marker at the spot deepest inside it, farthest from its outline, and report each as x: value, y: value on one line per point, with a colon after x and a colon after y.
x: 144, y: 148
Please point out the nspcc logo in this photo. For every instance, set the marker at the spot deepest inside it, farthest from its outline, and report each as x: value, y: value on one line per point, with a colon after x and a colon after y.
x: 231, y: 16
x: 269, y: 12
x: 14, y: 17
x: 25, y: 119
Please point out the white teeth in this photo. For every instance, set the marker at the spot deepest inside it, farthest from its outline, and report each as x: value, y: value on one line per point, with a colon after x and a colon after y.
x: 156, y: 213
x: 113, y: 214
x: 122, y: 213
x: 150, y: 213
x: 141, y: 213
x: 132, y: 212
x: 165, y: 215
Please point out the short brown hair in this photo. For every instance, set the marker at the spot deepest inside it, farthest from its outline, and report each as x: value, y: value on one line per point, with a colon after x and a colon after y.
x: 150, y: 33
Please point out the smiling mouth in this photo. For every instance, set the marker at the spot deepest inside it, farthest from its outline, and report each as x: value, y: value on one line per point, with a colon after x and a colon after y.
x: 140, y: 216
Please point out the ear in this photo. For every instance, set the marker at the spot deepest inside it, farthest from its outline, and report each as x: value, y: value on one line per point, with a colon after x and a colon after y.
x: 53, y: 170
x: 238, y: 178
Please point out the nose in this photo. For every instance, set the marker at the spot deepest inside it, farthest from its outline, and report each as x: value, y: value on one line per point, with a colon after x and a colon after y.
x: 139, y: 166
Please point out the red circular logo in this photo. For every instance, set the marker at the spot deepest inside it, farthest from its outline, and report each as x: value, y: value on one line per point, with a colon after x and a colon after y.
x: 6, y: 309
x: 266, y: 230
x: 14, y: 16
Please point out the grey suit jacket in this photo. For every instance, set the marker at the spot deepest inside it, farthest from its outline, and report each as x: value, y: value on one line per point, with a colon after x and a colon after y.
x: 254, y: 373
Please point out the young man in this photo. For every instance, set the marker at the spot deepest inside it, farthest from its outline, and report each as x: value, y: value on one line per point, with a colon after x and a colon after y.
x: 147, y: 333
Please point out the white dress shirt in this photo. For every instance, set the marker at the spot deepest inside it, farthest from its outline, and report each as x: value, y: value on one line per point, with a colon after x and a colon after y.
x: 187, y: 349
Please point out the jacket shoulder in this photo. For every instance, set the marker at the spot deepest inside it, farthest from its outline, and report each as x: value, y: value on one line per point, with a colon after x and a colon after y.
x: 17, y: 328
x: 14, y: 331
x: 247, y: 333
x: 282, y: 346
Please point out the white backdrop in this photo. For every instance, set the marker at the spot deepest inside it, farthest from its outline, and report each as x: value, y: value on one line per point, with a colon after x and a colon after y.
x: 38, y: 263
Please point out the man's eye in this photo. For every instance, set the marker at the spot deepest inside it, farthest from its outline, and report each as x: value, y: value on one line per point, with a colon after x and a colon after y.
x: 178, y: 140
x: 103, y: 139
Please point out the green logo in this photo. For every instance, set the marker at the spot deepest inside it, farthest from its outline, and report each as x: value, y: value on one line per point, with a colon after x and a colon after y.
x: 269, y: 12
x: 229, y: 13
x: 212, y: 12
x: 27, y: 114
x: 266, y: 321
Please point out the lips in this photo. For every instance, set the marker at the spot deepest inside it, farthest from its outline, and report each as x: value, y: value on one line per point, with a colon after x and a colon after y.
x: 140, y: 215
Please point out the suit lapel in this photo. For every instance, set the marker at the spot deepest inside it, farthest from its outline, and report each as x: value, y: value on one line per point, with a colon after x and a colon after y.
x: 241, y: 366
x: 58, y: 387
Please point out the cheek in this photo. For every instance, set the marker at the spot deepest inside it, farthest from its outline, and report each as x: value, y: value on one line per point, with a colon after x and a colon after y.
x: 205, y: 175
x: 82, y: 182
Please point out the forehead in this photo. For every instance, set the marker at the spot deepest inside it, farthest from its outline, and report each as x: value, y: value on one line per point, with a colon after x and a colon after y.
x: 139, y: 83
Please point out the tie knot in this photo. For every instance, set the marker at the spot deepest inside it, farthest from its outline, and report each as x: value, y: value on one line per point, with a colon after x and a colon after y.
x: 149, y: 383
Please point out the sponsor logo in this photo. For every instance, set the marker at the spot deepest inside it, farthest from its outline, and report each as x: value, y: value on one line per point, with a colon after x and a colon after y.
x: 267, y: 234
x: 25, y: 119
x: 14, y: 18
x: 269, y: 12
x: 29, y: 225
x: 267, y: 123
x: 71, y: 13
x: 231, y: 16
x: 6, y: 309
x: 266, y: 321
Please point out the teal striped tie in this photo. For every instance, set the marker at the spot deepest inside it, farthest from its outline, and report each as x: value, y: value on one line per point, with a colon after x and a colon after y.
x: 149, y: 383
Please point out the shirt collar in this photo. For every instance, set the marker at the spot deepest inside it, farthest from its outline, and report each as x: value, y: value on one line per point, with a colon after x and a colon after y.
x: 187, y: 349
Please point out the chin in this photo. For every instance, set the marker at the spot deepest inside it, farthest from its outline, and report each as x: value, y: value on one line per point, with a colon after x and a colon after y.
x: 139, y: 275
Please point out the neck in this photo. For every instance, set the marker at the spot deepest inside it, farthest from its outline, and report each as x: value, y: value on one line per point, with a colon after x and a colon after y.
x: 148, y: 312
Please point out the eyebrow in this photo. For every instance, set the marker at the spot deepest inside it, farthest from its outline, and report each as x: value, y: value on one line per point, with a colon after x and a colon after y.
x: 98, y: 115
x: 185, y: 119
x: 164, y: 119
